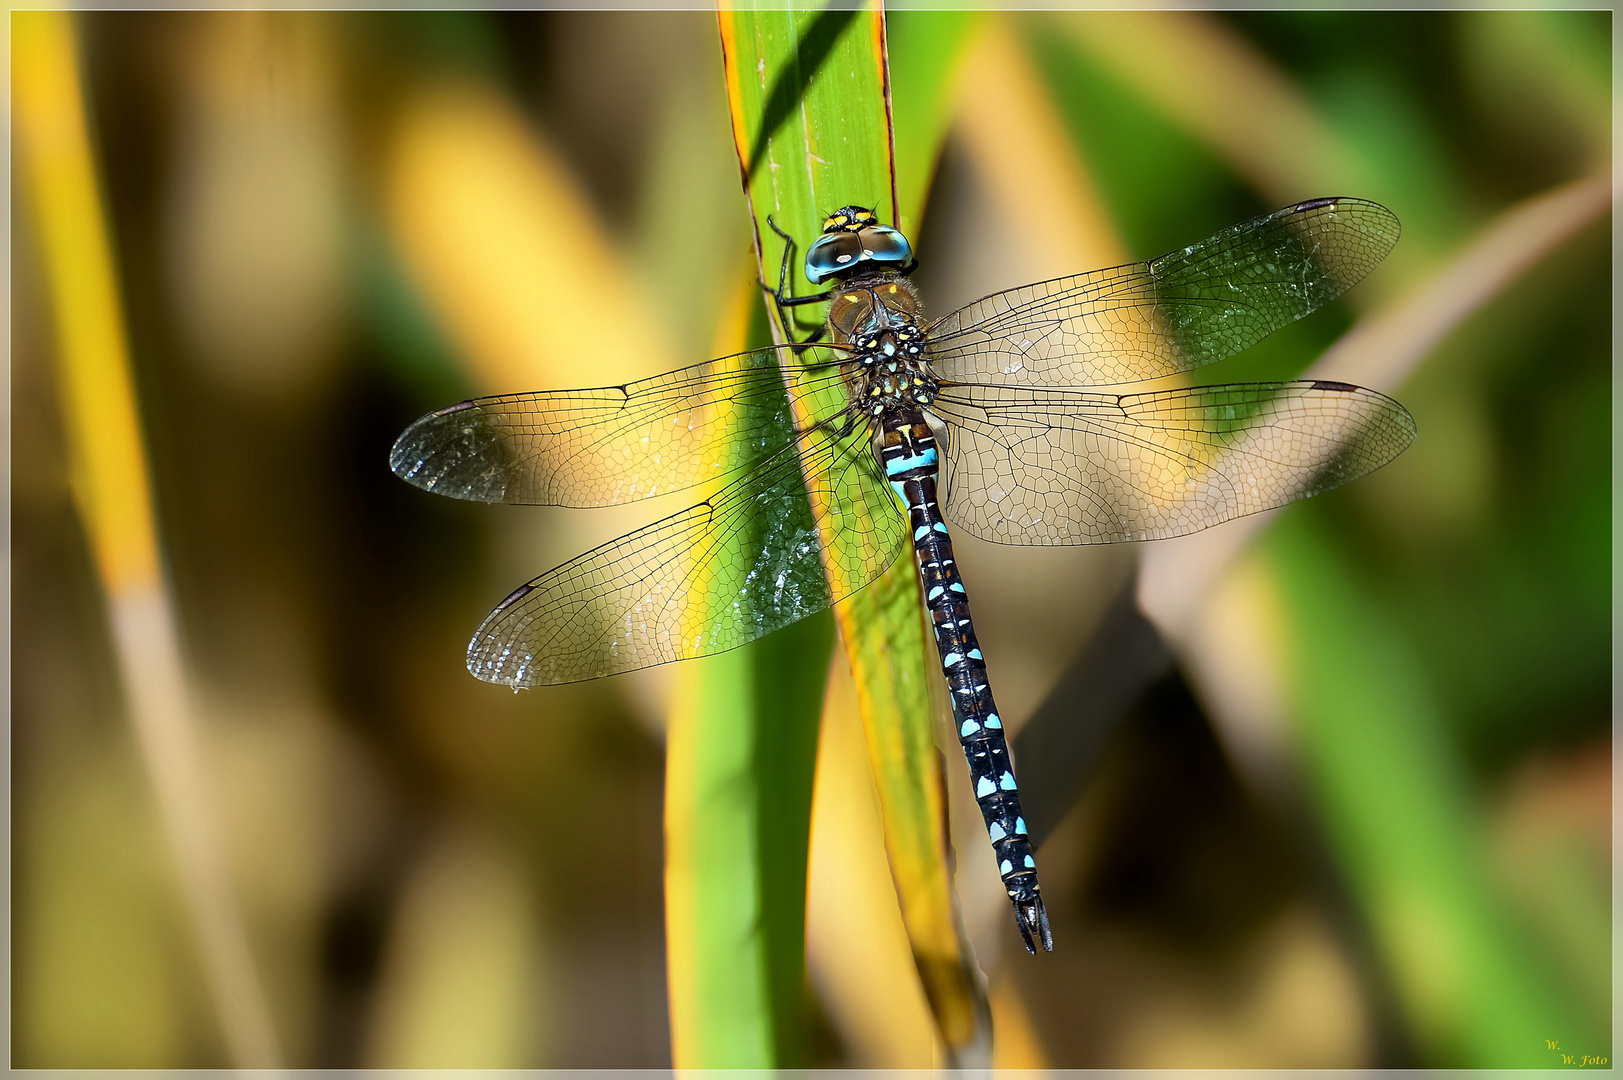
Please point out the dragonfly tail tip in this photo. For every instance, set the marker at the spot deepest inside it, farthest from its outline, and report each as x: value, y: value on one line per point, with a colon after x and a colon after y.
x: 1032, y: 919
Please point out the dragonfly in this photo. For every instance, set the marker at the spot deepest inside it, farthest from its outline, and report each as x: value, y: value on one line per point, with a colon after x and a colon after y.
x: 1015, y: 419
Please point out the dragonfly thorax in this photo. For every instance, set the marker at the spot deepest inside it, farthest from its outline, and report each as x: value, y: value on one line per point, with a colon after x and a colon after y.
x: 894, y: 370
x: 879, y: 320
x: 868, y: 304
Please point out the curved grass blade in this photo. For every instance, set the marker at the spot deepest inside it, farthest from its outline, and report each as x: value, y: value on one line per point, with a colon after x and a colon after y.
x: 1367, y: 720
x: 741, y: 750
x: 112, y: 488
x: 833, y: 149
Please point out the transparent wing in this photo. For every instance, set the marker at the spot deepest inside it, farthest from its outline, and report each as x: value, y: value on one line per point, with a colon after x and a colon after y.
x: 738, y: 565
x: 612, y: 444
x: 1050, y: 467
x: 1181, y: 311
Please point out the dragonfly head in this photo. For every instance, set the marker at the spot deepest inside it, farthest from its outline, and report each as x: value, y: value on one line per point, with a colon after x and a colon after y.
x: 849, y: 219
x: 853, y: 238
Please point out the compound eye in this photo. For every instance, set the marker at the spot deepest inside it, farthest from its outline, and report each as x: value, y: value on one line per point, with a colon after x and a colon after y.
x: 883, y: 244
x: 832, y: 254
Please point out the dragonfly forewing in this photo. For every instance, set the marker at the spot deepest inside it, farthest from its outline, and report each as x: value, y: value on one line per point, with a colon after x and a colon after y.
x: 615, y: 444
x: 1047, y: 467
x: 1181, y: 311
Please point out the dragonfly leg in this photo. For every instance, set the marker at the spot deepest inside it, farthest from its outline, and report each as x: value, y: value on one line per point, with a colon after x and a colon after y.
x: 783, y: 300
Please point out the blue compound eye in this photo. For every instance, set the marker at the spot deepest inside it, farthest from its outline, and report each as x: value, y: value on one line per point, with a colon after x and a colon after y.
x: 831, y: 254
x: 836, y: 253
x: 883, y: 244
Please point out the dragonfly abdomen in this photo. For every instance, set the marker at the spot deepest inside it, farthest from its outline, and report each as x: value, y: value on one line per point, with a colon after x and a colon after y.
x: 909, y: 454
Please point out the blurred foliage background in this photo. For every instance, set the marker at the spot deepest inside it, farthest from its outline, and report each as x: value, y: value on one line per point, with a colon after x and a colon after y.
x: 1365, y: 821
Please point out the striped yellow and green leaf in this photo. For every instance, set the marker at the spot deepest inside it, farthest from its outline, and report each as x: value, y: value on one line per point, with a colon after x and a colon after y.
x: 810, y: 103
